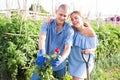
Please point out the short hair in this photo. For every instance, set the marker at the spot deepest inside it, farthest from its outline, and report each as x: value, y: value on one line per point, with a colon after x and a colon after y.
x: 65, y: 7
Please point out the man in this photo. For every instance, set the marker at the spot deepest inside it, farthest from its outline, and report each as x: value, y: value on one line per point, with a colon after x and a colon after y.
x: 58, y: 34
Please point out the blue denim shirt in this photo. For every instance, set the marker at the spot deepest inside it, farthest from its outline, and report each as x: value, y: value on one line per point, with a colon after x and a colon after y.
x: 57, y: 39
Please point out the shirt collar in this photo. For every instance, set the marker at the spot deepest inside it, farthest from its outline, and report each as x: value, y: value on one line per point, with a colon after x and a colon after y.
x: 64, y: 26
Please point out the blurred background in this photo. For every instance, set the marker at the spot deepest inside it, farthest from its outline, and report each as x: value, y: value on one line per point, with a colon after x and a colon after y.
x: 92, y: 9
x: 21, y: 20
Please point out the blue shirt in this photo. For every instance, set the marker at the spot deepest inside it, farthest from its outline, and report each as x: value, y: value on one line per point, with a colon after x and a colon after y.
x: 57, y: 39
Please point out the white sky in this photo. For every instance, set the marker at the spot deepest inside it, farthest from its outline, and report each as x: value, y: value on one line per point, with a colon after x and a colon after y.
x: 93, y: 7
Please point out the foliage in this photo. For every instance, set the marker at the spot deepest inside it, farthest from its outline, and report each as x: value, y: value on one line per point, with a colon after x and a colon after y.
x: 18, y: 46
x: 107, y: 63
x: 47, y: 68
x: 41, y: 9
x: 109, y: 37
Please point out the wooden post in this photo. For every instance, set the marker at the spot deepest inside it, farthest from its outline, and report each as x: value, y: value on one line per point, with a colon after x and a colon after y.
x: 25, y: 8
x: 18, y: 6
x: 8, y: 9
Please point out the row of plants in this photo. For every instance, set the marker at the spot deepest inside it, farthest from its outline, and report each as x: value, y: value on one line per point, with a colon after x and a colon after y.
x: 107, y: 66
x: 19, y: 47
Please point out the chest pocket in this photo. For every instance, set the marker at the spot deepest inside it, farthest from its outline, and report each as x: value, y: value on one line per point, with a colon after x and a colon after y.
x: 58, y: 40
x: 60, y: 36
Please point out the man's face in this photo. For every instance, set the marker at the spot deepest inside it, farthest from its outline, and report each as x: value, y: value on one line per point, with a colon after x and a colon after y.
x: 61, y: 16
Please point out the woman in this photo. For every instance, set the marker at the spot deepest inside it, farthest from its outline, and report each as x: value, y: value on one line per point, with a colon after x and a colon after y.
x: 84, y: 42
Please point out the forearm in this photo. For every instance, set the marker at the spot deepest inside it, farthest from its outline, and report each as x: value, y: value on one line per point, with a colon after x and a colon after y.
x: 66, y: 51
x: 41, y: 41
x: 92, y: 49
x: 87, y: 51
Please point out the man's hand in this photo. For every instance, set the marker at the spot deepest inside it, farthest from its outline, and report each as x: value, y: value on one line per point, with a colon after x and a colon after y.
x: 40, y: 60
x: 57, y: 61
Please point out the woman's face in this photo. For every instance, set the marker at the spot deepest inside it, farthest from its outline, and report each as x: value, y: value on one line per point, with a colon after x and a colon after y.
x: 76, y: 20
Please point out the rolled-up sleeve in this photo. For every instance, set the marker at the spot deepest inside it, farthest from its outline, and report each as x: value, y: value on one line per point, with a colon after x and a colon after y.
x: 69, y: 38
x: 44, y: 28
